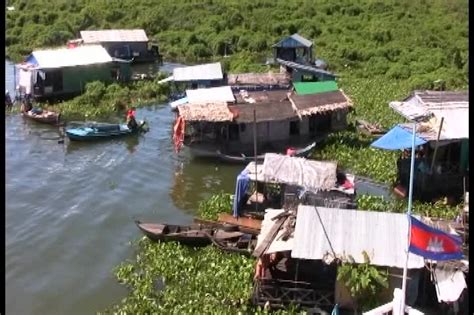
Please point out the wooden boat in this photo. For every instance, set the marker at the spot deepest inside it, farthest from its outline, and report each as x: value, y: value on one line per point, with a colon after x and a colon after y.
x: 45, y: 116
x: 244, y: 244
x: 186, y: 235
x: 227, y: 226
x: 191, y: 235
x: 97, y: 131
x: 301, y: 152
x: 248, y: 225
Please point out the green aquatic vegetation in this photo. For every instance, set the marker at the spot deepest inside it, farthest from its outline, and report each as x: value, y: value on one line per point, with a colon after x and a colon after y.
x: 438, y: 209
x: 353, y: 153
x: 100, y: 100
x: 210, y: 208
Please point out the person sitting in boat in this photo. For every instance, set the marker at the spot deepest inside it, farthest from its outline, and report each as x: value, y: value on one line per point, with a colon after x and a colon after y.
x: 131, y: 121
x: 26, y: 106
x: 8, y: 99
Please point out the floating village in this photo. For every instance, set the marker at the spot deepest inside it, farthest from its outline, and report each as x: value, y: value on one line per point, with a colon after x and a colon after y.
x: 298, y: 217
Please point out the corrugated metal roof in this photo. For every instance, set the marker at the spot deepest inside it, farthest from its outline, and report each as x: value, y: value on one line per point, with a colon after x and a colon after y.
x: 210, y: 71
x: 102, y: 36
x: 70, y: 57
x: 452, y: 106
x: 294, y: 40
x: 278, y: 245
x: 215, y: 94
x: 383, y: 235
x: 450, y: 284
x: 303, y: 88
x: 307, y: 68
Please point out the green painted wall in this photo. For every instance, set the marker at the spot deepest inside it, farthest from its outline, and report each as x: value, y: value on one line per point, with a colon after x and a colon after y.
x: 75, y: 79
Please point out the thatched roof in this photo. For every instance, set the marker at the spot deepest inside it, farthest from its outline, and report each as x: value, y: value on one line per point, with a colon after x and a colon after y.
x: 259, y: 79
x: 322, y: 102
x: 206, y: 112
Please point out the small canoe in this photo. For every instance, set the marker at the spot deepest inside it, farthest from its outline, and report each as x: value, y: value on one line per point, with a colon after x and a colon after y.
x: 46, y: 117
x: 97, y: 131
x: 301, y: 152
x: 192, y: 235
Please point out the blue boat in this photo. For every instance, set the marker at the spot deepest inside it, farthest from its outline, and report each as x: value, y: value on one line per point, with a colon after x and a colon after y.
x: 98, y: 131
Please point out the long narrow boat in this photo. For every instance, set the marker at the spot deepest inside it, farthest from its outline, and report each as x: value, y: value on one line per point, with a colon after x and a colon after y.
x: 45, y: 117
x: 301, y: 152
x: 191, y: 235
x: 97, y: 131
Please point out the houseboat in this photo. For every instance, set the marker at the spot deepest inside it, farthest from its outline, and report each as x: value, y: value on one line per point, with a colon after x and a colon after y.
x: 63, y: 73
x: 128, y: 44
x: 442, y: 139
x: 282, y: 120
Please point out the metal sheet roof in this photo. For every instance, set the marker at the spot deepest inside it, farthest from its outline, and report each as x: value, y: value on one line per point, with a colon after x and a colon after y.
x: 383, y: 235
x: 70, y: 57
x: 277, y: 245
x: 101, y: 36
x: 301, y: 67
x: 452, y: 106
x: 450, y: 284
x: 303, y: 88
x: 215, y: 94
x: 210, y: 71
x: 294, y: 40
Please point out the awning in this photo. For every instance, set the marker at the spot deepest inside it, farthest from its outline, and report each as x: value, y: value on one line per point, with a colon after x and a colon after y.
x: 168, y: 79
x: 396, y: 139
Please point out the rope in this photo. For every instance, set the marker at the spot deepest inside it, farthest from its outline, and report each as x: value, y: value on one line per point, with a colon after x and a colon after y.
x: 325, y: 233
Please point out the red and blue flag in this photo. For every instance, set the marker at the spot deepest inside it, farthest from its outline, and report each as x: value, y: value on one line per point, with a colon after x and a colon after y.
x: 432, y: 243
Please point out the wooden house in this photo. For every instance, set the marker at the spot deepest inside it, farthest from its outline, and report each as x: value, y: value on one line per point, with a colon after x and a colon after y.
x: 294, y: 48
x: 442, y: 138
x: 128, y: 44
x: 61, y: 73
x: 282, y: 119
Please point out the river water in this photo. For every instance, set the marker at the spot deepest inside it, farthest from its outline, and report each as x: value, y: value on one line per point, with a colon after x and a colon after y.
x: 70, y: 207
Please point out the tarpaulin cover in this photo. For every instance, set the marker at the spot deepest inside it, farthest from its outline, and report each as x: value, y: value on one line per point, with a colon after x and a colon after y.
x: 396, y: 139
x: 304, y: 88
x: 243, y: 181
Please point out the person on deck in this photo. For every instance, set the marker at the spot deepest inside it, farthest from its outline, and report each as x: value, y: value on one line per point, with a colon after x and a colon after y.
x: 8, y: 99
x: 26, y: 106
x: 131, y: 121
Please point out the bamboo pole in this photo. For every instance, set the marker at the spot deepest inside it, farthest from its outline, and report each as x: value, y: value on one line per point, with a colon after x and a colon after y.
x: 255, y: 155
x: 436, y: 145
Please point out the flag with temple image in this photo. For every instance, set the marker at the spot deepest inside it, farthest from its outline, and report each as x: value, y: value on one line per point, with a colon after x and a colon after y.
x: 432, y: 243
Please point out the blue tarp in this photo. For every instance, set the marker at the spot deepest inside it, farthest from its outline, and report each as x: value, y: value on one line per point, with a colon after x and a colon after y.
x: 396, y: 139
x: 243, y: 181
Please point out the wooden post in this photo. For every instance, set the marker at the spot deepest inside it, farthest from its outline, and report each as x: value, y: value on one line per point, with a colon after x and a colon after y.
x: 255, y: 154
x: 436, y: 145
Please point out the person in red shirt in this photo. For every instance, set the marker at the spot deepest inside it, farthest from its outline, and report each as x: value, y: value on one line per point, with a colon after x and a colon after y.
x: 131, y: 121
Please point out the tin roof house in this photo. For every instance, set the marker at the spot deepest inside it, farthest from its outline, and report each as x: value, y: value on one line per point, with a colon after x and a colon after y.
x: 442, y: 138
x: 129, y: 44
x: 61, y: 73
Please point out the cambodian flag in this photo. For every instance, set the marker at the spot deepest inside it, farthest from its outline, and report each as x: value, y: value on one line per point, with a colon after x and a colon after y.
x: 432, y: 243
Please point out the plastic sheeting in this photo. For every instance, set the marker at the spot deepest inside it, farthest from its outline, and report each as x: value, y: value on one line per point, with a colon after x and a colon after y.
x: 450, y: 284
x: 243, y: 181
x: 396, y: 139
x: 309, y: 174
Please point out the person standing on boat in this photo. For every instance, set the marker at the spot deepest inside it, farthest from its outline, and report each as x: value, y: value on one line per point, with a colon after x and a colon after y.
x: 131, y: 121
